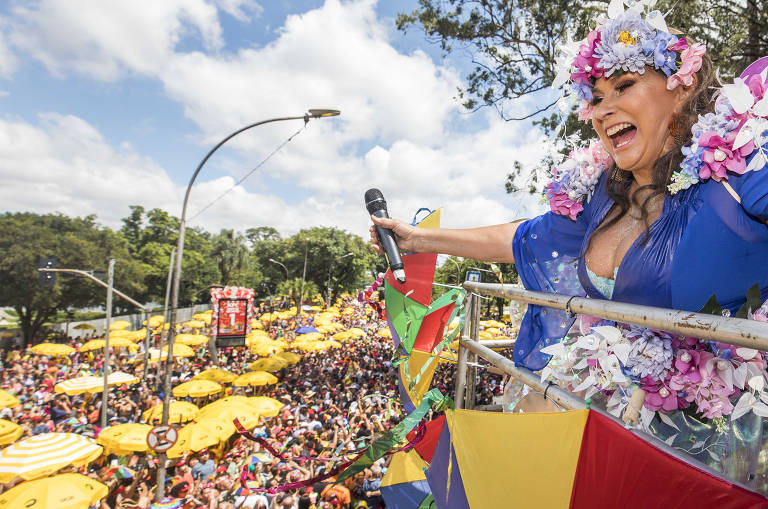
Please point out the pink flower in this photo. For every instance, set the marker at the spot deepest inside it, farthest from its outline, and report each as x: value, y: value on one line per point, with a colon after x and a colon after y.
x: 680, y: 45
x: 661, y: 397
x: 600, y: 156
x: 560, y: 204
x: 718, y: 156
x: 756, y: 86
x: 585, y: 61
x: 691, y: 58
x: 585, y: 112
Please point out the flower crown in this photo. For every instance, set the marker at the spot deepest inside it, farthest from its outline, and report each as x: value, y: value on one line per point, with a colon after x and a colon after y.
x: 626, y: 41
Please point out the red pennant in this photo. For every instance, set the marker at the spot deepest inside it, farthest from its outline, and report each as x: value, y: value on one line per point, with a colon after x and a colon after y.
x: 432, y: 328
x: 419, y: 274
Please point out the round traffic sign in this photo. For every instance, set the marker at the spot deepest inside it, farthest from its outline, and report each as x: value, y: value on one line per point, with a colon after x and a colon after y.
x: 162, y: 438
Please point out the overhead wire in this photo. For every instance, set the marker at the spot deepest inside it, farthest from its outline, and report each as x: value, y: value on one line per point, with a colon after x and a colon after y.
x: 242, y: 179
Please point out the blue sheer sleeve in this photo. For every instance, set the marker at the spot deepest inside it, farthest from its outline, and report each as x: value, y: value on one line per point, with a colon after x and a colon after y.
x: 547, y: 250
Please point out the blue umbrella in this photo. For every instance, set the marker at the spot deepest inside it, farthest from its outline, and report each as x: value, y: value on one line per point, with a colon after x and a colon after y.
x: 306, y: 330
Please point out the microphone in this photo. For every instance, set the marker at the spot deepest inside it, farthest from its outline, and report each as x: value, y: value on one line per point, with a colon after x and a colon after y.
x: 374, y: 202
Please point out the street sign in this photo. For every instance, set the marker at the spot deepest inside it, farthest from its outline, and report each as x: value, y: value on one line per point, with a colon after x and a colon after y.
x: 474, y: 276
x: 162, y: 438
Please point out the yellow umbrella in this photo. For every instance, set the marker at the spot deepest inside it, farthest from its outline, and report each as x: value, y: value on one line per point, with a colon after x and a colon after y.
x: 195, y: 324
x: 191, y: 339
x: 52, y: 349
x: 199, y: 435
x: 203, y: 317
x: 179, y: 350
x: 493, y: 330
x: 492, y: 323
x: 225, y: 412
x: 357, y: 332
x: 343, y: 335
x: 98, y: 344
x: 267, y: 407
x: 155, y: 321
x: 7, y: 400
x: 289, y: 357
x: 268, y: 364
x: 216, y: 375
x: 119, y: 324
x: 266, y: 349
x: 93, y: 384
x: 196, y: 389
x: 384, y: 333
x: 310, y: 336
x: 84, y: 326
x: 178, y: 412
x: 44, y: 454
x: 9, y: 432
x: 255, y: 378
x: 73, y: 491
x: 125, y: 437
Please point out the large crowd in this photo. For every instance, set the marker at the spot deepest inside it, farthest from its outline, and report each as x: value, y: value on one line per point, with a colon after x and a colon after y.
x: 335, y: 402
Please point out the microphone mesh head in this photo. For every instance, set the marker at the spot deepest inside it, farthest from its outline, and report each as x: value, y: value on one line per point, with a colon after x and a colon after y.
x: 374, y: 200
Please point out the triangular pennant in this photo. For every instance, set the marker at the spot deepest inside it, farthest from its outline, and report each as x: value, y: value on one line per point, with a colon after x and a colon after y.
x: 434, y: 323
x: 406, y: 315
x: 414, y: 366
x: 419, y: 273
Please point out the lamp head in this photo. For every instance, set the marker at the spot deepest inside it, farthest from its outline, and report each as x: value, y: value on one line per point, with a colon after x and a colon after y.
x: 321, y: 113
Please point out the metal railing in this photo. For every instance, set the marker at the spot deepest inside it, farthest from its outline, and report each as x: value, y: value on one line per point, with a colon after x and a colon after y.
x: 734, y: 331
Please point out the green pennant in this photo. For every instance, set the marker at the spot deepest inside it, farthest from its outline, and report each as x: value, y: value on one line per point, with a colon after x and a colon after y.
x: 392, y: 437
x: 406, y: 315
x: 428, y: 502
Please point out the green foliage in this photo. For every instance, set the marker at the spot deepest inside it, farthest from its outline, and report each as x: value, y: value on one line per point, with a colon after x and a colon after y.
x: 142, y: 248
x: 454, y: 270
x: 512, y: 45
x: 76, y: 243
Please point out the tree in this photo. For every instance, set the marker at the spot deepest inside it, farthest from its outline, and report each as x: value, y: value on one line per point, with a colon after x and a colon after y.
x: 152, y: 236
x: 291, y: 288
x: 76, y: 243
x: 512, y: 47
x: 454, y: 270
x: 231, y: 254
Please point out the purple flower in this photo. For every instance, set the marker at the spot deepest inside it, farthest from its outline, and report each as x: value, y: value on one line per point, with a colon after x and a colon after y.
x: 651, y: 353
x: 662, y: 57
x: 621, y: 43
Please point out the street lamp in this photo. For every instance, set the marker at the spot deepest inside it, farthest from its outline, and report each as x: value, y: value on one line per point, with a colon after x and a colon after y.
x: 283, y: 266
x: 313, y: 113
x: 328, y: 304
x: 458, y: 270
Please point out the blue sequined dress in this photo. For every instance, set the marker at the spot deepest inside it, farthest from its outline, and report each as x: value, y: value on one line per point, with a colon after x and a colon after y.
x: 703, y: 243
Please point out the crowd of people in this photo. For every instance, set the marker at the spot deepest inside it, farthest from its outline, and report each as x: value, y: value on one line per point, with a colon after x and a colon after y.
x: 335, y: 402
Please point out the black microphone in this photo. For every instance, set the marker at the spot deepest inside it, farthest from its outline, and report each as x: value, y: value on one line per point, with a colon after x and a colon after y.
x: 374, y: 202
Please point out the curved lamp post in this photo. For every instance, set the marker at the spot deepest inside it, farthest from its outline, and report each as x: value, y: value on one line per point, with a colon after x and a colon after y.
x: 283, y: 266
x: 328, y: 302
x: 313, y: 113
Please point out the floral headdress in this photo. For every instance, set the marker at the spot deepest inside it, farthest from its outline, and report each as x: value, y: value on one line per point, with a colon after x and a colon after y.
x: 626, y: 41
x: 630, y: 40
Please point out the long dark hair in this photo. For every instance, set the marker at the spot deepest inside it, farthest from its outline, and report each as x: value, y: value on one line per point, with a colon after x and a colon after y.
x: 699, y: 102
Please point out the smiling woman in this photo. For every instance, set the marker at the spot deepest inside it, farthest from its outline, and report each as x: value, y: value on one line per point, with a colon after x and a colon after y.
x: 665, y: 208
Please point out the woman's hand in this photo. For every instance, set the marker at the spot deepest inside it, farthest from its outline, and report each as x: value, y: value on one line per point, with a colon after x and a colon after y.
x: 405, y: 234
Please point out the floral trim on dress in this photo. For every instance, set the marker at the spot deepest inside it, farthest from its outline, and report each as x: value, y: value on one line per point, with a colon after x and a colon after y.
x: 575, y: 179
x: 722, y: 140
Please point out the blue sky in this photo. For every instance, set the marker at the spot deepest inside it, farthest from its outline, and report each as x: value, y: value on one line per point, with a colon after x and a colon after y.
x: 109, y: 104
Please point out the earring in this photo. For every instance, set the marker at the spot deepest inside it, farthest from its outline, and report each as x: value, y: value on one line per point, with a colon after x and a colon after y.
x: 676, y: 129
x: 617, y: 174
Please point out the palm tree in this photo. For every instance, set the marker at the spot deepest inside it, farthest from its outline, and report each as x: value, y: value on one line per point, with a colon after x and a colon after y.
x: 231, y: 254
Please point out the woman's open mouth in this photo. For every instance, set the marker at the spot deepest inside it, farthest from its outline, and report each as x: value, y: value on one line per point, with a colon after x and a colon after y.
x: 621, y: 134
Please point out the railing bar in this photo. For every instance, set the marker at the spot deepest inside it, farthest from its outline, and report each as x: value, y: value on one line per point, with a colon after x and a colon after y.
x: 733, y: 331
x: 571, y: 402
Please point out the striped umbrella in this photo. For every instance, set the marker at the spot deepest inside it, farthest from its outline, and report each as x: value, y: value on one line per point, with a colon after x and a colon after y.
x: 73, y: 491
x: 93, y: 384
x: 44, y: 454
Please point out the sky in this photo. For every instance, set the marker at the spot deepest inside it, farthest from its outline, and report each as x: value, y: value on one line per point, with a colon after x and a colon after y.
x: 109, y: 104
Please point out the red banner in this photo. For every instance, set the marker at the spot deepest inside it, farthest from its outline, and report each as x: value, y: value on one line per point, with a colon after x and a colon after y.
x: 233, y: 314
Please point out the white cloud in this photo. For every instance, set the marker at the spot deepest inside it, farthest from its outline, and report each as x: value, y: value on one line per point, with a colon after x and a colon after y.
x: 107, y: 38
x: 400, y: 130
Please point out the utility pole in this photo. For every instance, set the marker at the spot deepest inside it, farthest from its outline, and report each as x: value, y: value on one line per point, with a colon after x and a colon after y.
x: 303, y: 278
x: 165, y: 313
x: 105, y: 393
